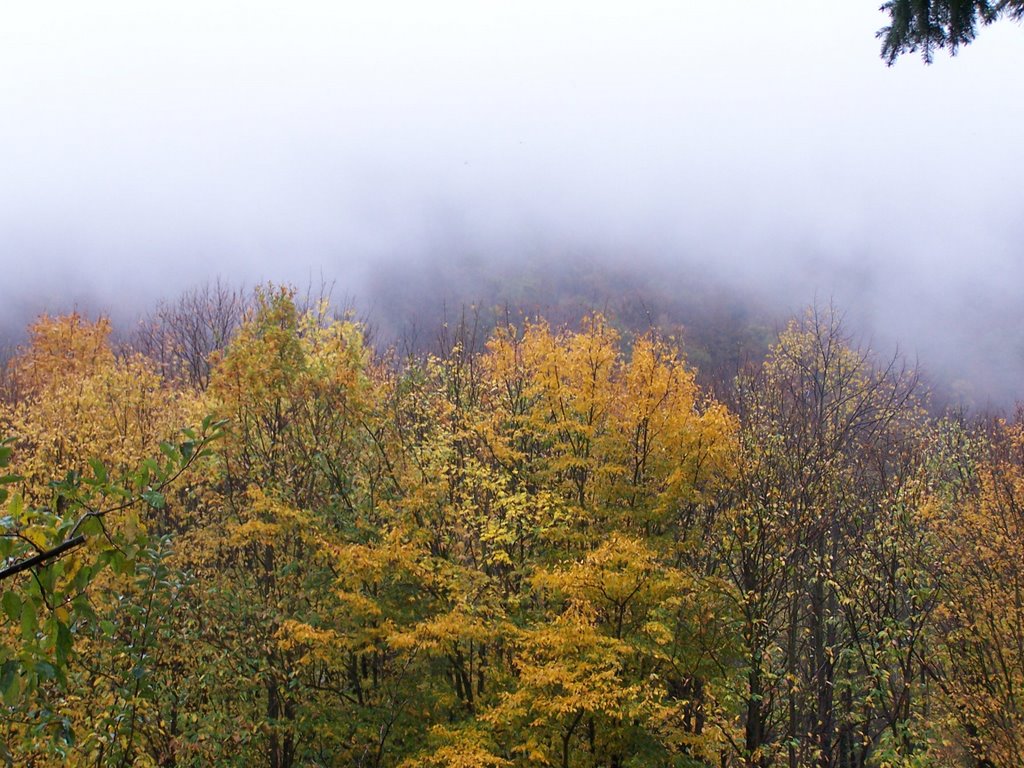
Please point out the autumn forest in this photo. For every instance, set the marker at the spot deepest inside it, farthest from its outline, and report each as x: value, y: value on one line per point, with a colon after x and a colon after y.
x: 245, y: 535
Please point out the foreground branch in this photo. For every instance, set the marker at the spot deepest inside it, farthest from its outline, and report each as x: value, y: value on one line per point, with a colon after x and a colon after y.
x: 42, y: 557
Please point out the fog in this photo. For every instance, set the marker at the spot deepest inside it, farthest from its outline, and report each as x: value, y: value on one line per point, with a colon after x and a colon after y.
x: 145, y: 147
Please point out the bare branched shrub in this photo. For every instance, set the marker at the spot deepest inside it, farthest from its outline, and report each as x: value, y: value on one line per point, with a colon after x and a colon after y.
x: 180, y: 336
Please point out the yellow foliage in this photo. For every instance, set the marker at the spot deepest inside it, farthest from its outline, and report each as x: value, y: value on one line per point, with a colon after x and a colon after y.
x: 459, y: 748
x: 628, y: 434
x: 77, y: 400
x: 982, y: 610
x: 486, y: 540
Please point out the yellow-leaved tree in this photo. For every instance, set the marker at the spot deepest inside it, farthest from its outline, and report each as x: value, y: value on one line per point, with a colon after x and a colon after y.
x: 94, y: 452
x: 977, y: 522
x: 567, y: 481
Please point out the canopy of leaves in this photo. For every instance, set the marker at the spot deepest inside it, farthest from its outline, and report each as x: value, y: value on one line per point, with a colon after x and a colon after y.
x: 548, y: 546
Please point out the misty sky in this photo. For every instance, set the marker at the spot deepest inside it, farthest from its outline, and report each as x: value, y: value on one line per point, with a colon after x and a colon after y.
x: 145, y: 146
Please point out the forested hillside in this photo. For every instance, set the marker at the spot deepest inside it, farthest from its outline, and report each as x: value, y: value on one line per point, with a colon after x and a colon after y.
x: 245, y: 535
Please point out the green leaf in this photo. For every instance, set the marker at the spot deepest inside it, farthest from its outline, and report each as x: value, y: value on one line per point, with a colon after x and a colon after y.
x: 46, y: 576
x: 16, y: 507
x: 28, y: 622
x: 62, y: 645
x: 12, y: 605
x: 46, y: 670
x: 99, y: 469
x: 91, y: 526
x: 155, y: 499
x: 119, y: 564
x: 82, y: 578
x: 9, y: 683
